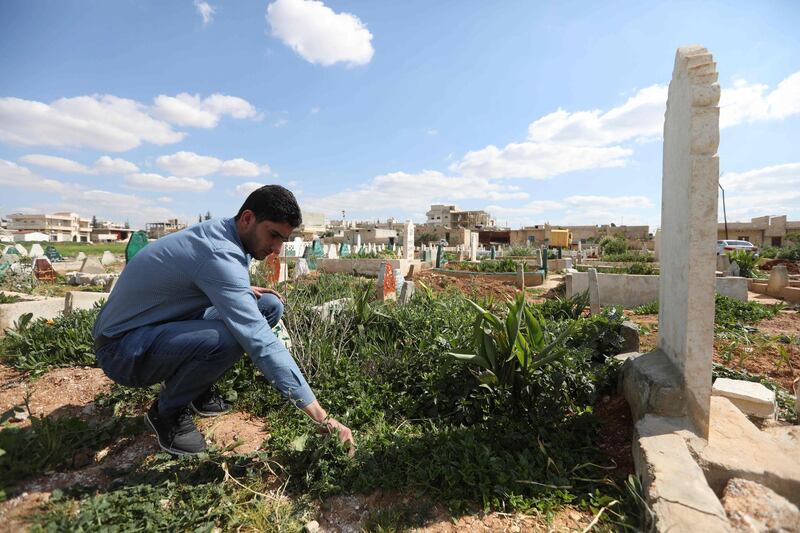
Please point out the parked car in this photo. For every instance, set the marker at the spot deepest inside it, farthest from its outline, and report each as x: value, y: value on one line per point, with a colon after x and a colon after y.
x: 725, y: 246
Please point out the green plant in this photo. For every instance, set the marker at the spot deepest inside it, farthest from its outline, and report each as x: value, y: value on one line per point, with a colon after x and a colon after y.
x: 613, y: 245
x: 646, y: 309
x: 629, y: 257
x: 521, y: 251
x: 564, y: 308
x: 735, y: 316
x: 9, y: 299
x: 38, y: 345
x: 509, y: 350
x: 747, y: 262
x: 641, y: 269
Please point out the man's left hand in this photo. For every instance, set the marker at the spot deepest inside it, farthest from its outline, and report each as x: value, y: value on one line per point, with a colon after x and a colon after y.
x: 258, y: 291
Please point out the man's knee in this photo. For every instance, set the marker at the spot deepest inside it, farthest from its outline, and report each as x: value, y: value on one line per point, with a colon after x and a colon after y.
x: 218, y: 343
x: 271, y: 307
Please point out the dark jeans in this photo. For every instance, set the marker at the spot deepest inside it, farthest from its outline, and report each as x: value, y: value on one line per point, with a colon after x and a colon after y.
x: 188, y: 356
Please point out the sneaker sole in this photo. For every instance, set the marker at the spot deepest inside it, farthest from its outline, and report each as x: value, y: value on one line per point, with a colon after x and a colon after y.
x: 173, y: 451
x: 208, y: 414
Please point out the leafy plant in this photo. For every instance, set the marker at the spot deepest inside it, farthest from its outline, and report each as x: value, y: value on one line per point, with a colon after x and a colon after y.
x: 509, y: 350
x: 564, y: 308
x: 613, y: 245
x: 735, y: 316
x: 9, y: 299
x: 38, y: 345
x: 629, y: 257
x: 747, y: 262
x: 646, y: 309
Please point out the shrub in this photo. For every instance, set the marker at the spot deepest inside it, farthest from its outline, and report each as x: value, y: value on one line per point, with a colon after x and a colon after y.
x: 613, y: 245
x: 521, y: 251
x: 747, y: 262
x: 646, y: 309
x: 629, y: 257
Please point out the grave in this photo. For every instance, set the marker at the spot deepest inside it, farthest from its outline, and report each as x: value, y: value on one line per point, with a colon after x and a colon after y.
x: 36, y: 250
x: 43, y: 270
x: 82, y: 300
x: 594, y: 293
x: 473, y: 246
x: 688, y: 444
x: 52, y: 254
x: 386, y: 289
x: 92, y: 265
x: 407, y: 292
x: 21, y: 250
x: 136, y: 242
x: 108, y: 259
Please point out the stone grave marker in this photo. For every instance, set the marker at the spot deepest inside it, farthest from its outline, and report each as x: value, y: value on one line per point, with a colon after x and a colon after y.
x: 473, y: 246
x: 734, y: 269
x: 137, y: 241
x: 21, y: 250
x: 80, y: 257
x: 594, y: 292
x: 521, y: 276
x: 440, y: 256
x: 407, y: 292
x: 344, y: 250
x: 301, y: 268
x: 778, y: 280
x: 52, y: 254
x: 36, y: 250
x: 272, y: 266
x: 92, y: 265
x: 386, y: 287
x: 408, y: 241
x: 108, y: 258
x: 332, y: 253
x: 43, y: 270
x: 689, y: 227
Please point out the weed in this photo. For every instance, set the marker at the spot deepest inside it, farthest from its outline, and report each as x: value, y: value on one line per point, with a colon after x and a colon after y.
x: 9, y: 299
x: 646, y: 309
x: 747, y: 262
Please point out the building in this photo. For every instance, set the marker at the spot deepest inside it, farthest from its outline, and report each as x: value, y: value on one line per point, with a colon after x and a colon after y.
x: 433, y: 233
x: 110, y: 232
x: 761, y: 231
x: 159, y: 229
x: 58, y: 227
x: 450, y: 215
x: 635, y: 235
x: 370, y: 236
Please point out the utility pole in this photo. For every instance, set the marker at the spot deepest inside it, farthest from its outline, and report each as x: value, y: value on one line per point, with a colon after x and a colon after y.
x: 724, y: 212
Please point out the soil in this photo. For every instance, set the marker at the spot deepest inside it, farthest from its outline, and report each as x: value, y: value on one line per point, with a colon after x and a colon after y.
x: 481, y: 287
x: 345, y: 514
x: 792, y: 266
x: 616, y: 431
x: 648, y: 331
x: 243, y: 432
x: 60, y: 392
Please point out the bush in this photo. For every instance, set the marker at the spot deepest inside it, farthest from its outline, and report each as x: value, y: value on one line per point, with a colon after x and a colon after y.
x: 747, y: 262
x: 613, y: 245
x: 629, y: 257
x: 521, y: 251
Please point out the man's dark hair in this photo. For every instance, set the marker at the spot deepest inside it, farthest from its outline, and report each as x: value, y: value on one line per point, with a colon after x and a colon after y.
x: 273, y: 203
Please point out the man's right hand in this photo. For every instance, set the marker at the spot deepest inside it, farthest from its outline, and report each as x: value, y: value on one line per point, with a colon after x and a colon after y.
x: 342, y: 432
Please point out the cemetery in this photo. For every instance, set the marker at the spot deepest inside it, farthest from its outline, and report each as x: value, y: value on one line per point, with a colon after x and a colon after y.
x: 603, y: 402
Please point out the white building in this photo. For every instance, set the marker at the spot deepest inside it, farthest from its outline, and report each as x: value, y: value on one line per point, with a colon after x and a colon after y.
x: 58, y: 227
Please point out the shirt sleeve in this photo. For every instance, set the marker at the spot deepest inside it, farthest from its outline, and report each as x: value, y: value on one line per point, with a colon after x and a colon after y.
x: 227, y: 284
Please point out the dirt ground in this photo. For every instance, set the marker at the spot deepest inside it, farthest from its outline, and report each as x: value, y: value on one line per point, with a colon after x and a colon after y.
x: 481, y: 286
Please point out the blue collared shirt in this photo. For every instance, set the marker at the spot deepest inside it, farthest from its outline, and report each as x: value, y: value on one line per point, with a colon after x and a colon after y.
x: 179, y: 276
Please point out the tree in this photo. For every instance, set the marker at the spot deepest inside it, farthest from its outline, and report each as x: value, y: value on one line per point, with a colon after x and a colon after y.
x: 208, y: 215
x: 199, y: 217
x: 127, y: 225
x: 94, y: 221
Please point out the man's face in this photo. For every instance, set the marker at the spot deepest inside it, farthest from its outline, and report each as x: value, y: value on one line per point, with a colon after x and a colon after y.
x: 261, y: 239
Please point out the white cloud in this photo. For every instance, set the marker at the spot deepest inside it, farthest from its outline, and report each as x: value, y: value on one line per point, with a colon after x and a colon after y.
x: 103, y: 164
x: 746, y: 102
x: 772, y: 190
x: 619, y: 202
x: 575, y: 210
x: 107, y: 122
x: 318, y: 34
x: 157, y: 182
x: 190, y: 110
x: 537, y: 160
x: 641, y: 117
x: 205, y: 10
x: 246, y: 188
x: 400, y: 191
x: 13, y: 175
x: 192, y: 165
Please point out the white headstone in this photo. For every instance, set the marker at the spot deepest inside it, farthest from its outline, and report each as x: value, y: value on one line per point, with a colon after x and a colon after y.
x: 689, y: 227
x: 37, y: 250
x: 80, y: 257
x: 301, y: 268
x: 332, y: 252
x: 408, y: 241
x: 92, y: 265
x: 473, y: 246
x: 108, y: 258
x: 778, y: 280
x: 407, y: 292
x: 594, y: 292
x: 358, y: 240
x: 21, y: 249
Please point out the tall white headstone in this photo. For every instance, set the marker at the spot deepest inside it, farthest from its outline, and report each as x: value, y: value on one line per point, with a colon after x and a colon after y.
x: 408, y: 241
x: 473, y: 246
x: 37, y: 250
x: 689, y: 227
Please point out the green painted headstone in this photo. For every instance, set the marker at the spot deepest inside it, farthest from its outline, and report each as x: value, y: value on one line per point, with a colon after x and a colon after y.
x: 316, y: 248
x: 137, y: 241
x: 494, y: 252
x: 310, y: 258
x: 440, y: 256
x: 52, y: 254
x: 344, y: 250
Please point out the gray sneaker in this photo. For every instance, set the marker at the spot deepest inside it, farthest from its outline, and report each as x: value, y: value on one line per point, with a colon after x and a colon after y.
x: 177, y: 434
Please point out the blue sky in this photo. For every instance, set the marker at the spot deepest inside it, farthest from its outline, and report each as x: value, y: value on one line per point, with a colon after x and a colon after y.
x: 536, y: 111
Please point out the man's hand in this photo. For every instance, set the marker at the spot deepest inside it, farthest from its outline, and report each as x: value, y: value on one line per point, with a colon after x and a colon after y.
x: 328, y: 425
x: 331, y: 425
x: 258, y: 291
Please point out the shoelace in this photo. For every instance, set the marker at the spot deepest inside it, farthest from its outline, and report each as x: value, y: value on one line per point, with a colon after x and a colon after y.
x: 184, y: 423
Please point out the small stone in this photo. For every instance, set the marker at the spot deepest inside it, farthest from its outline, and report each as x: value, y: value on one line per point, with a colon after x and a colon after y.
x: 754, y: 507
x: 514, y: 529
x: 311, y: 527
x: 753, y: 399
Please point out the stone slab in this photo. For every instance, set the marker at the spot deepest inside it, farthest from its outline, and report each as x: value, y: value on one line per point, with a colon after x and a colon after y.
x: 652, y: 384
x: 787, y: 437
x: 329, y: 310
x: 753, y: 399
x: 630, y: 335
x: 365, y: 267
x: 673, y: 484
x: 778, y: 280
x: 594, y: 292
x: 791, y: 294
x: 738, y: 449
x: 752, y: 507
x: 45, y: 308
x: 75, y: 300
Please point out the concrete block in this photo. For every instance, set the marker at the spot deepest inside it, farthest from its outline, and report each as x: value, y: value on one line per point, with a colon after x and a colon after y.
x: 753, y: 399
x: 791, y: 294
x: 82, y: 300
x: 673, y: 484
x: 45, y: 308
x: 737, y: 449
x: 652, y: 384
x: 778, y: 280
x: 594, y: 293
x: 329, y: 310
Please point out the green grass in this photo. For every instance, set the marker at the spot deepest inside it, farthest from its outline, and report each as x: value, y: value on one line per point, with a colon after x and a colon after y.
x: 729, y: 314
x: 71, y: 249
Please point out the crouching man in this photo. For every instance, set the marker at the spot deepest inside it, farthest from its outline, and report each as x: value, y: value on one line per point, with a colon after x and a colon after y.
x: 183, y: 312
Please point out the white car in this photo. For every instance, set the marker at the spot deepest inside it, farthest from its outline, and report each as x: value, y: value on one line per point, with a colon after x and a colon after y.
x: 726, y: 246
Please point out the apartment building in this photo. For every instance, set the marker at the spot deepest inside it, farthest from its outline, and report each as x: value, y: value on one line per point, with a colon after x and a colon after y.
x: 59, y: 227
x: 761, y: 231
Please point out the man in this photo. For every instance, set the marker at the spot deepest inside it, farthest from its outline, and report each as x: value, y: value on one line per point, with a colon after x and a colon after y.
x: 183, y: 312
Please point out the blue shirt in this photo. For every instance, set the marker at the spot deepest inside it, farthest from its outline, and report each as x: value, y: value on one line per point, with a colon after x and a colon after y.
x: 179, y: 276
